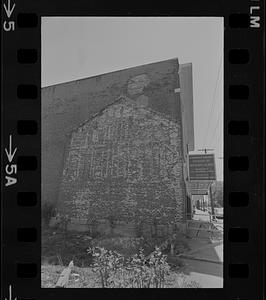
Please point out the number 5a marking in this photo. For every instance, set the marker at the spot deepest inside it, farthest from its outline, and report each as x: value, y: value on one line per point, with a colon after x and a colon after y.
x: 8, y: 26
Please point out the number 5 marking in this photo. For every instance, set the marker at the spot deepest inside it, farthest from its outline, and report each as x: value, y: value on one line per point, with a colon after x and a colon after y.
x: 11, y: 26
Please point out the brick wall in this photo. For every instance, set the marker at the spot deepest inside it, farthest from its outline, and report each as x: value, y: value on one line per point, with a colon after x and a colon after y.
x: 125, y: 165
x: 65, y: 106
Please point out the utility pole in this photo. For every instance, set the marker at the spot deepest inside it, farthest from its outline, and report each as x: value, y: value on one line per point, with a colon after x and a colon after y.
x: 205, y: 150
x: 211, y: 200
x: 210, y: 187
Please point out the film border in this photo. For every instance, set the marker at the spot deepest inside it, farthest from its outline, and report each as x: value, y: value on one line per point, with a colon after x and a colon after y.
x: 243, y: 153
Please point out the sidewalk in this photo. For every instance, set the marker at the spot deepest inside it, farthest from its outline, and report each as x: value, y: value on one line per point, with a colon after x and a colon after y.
x: 206, y: 264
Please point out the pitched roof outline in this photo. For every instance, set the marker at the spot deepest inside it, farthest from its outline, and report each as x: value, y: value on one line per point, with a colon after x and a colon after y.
x: 117, y: 101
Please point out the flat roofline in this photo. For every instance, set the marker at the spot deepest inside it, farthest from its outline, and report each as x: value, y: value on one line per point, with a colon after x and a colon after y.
x: 186, y: 64
x: 80, y: 79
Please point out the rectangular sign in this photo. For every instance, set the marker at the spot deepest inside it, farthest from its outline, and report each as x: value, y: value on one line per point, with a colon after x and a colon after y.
x: 202, y: 167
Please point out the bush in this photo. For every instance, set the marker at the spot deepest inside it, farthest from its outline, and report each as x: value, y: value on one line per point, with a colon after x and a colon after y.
x: 73, y: 247
x: 105, y: 263
x: 48, y: 211
x: 126, y: 246
x: 149, y: 244
x: 180, y: 243
x: 135, y: 272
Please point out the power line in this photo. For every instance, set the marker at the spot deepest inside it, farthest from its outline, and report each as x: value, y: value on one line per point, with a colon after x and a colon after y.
x: 213, y: 98
x: 220, y: 136
x: 216, y: 126
x: 218, y: 140
x: 210, y: 116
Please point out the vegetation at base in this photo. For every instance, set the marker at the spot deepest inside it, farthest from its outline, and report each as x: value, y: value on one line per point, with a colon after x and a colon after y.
x: 116, y: 271
x: 60, y: 246
x: 114, y: 261
x: 86, y: 278
x: 48, y: 211
x: 110, y: 269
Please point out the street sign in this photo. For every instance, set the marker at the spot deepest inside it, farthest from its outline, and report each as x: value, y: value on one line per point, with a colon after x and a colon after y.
x: 202, y: 167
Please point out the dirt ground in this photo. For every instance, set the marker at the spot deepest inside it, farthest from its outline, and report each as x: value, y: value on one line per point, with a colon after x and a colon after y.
x: 86, y: 278
x: 203, y: 266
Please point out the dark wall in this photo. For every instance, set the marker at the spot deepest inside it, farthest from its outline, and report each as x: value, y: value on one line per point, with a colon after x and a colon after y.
x: 186, y: 92
x: 65, y: 106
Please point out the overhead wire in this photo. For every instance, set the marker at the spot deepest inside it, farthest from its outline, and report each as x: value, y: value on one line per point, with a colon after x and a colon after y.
x: 213, y: 100
x: 219, y: 137
x: 220, y: 115
x: 216, y: 126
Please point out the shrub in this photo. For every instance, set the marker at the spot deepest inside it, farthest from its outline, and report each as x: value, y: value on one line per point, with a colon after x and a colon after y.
x: 48, y: 211
x: 149, y: 244
x: 126, y: 246
x: 148, y: 273
x: 105, y: 263
x: 135, y: 272
x: 63, y: 221
x: 71, y: 247
x: 180, y: 243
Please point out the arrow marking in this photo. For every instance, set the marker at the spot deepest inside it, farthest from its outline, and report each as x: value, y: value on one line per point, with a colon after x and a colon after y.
x: 10, y: 294
x: 8, y: 10
x: 9, y: 153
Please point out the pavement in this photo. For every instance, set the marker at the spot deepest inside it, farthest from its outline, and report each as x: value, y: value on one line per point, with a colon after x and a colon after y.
x: 204, y: 261
x: 208, y: 275
x: 206, y: 265
x: 201, y: 215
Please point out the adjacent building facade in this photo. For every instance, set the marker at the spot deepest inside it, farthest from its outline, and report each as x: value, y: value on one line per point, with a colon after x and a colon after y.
x: 115, y: 146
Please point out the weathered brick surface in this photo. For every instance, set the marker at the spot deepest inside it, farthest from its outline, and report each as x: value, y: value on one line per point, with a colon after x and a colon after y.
x: 125, y: 165
x: 65, y: 106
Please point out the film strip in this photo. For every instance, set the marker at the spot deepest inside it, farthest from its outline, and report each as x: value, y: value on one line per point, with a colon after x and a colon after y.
x: 243, y: 145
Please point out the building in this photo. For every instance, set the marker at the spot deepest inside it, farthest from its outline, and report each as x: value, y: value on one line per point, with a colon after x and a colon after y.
x: 114, y: 146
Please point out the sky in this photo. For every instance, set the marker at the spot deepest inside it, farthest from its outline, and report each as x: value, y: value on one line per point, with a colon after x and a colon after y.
x: 79, y: 47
